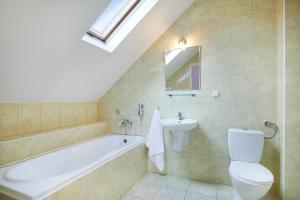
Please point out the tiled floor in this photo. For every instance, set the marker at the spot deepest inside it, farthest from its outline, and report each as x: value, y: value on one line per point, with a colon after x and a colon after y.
x: 156, y: 187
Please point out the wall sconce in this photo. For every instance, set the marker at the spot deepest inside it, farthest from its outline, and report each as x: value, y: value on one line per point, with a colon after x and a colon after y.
x: 182, y: 43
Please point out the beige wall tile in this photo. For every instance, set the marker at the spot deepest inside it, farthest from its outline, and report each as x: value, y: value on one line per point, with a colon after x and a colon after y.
x: 91, y: 112
x: 49, y: 141
x: 14, y: 150
x: 54, y: 196
x: 263, y: 5
x: 199, y: 166
x: 73, y: 191
x: 292, y: 136
x: 241, y: 8
x: 80, y: 113
x: 72, y: 114
x: 17, y: 149
x: 29, y: 117
x: 49, y: 116
x: 111, y: 181
x: 25, y: 118
x: 57, y: 139
x: 8, y: 119
x: 4, y: 197
x: 66, y: 114
x: 292, y: 186
x: 242, y: 30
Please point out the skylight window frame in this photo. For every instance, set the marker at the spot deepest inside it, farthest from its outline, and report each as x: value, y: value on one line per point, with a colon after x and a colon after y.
x: 116, y: 21
x: 122, y: 31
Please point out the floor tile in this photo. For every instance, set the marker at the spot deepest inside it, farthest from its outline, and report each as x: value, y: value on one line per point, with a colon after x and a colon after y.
x: 225, y: 192
x: 156, y: 187
x: 153, y: 178
x: 143, y: 191
x: 176, y: 183
x: 169, y: 194
x: 130, y: 198
x: 194, y: 196
x: 206, y: 189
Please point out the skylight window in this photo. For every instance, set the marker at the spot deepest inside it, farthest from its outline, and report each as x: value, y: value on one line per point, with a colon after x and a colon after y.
x: 116, y: 21
x: 111, y: 18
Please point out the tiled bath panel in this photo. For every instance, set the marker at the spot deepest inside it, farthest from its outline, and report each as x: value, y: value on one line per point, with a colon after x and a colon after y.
x: 111, y: 181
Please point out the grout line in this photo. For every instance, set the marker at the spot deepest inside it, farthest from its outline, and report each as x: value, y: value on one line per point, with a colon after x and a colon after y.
x: 40, y: 129
x: 86, y: 112
x: 186, y: 192
x: 177, y: 190
x: 252, y: 11
x: 156, y: 192
x: 218, y: 185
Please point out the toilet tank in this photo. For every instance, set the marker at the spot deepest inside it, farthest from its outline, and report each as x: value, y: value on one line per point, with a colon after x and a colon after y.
x: 245, y: 145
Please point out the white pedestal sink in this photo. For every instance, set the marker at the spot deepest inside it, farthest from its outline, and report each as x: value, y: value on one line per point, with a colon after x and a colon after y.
x: 180, y: 130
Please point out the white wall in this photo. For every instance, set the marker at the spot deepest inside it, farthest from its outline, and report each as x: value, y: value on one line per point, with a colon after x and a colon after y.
x: 42, y: 57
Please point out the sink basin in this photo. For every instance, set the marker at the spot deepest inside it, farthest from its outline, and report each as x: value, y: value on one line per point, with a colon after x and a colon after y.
x: 180, y: 130
x: 179, y: 125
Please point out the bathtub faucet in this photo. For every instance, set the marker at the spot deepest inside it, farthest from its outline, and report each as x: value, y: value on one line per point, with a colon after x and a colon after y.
x: 126, y: 123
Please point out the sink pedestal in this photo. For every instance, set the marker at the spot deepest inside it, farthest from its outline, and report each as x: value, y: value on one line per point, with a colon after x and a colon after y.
x: 180, y: 131
x: 179, y: 140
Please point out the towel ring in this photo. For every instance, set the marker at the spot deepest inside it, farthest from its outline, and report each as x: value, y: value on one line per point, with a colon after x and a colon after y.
x: 273, y: 126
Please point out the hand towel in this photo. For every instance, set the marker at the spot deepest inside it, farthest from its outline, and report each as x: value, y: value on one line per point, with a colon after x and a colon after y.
x: 155, y: 142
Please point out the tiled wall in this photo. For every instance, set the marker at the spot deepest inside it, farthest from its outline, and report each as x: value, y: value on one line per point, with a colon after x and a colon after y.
x: 21, y: 148
x: 281, y: 89
x: 292, y: 139
x: 18, y: 120
x: 238, y: 41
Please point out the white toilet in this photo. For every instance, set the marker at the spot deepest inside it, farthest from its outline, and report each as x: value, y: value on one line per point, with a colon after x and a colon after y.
x: 250, y: 179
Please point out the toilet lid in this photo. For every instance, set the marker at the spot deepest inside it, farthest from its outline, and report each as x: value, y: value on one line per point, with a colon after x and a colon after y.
x: 253, y: 172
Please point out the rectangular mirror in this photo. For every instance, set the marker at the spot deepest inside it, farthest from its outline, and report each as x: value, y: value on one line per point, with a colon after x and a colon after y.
x: 182, y: 69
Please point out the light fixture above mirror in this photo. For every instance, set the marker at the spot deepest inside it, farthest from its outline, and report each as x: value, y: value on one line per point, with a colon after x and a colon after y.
x: 182, y: 43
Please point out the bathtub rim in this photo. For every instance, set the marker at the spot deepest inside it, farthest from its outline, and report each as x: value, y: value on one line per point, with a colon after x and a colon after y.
x: 72, y: 178
x: 64, y: 147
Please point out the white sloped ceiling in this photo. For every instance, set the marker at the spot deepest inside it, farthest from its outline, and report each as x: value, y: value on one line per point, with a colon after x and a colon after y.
x: 42, y: 57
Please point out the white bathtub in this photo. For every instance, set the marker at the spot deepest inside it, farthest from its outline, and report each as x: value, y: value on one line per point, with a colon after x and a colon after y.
x: 41, y: 176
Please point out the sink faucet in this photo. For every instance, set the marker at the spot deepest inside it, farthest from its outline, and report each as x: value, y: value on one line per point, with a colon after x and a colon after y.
x: 180, y: 116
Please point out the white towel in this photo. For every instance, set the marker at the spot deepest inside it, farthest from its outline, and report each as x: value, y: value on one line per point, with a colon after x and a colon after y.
x: 155, y: 142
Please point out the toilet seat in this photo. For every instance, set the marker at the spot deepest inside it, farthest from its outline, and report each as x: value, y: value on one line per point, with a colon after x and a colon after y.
x: 253, y: 173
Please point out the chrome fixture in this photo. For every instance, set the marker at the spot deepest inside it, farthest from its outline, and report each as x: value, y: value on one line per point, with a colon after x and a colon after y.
x: 180, y: 116
x: 182, y: 43
x: 273, y: 126
x: 124, y: 123
x: 127, y: 123
x: 171, y: 95
x: 141, y: 111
